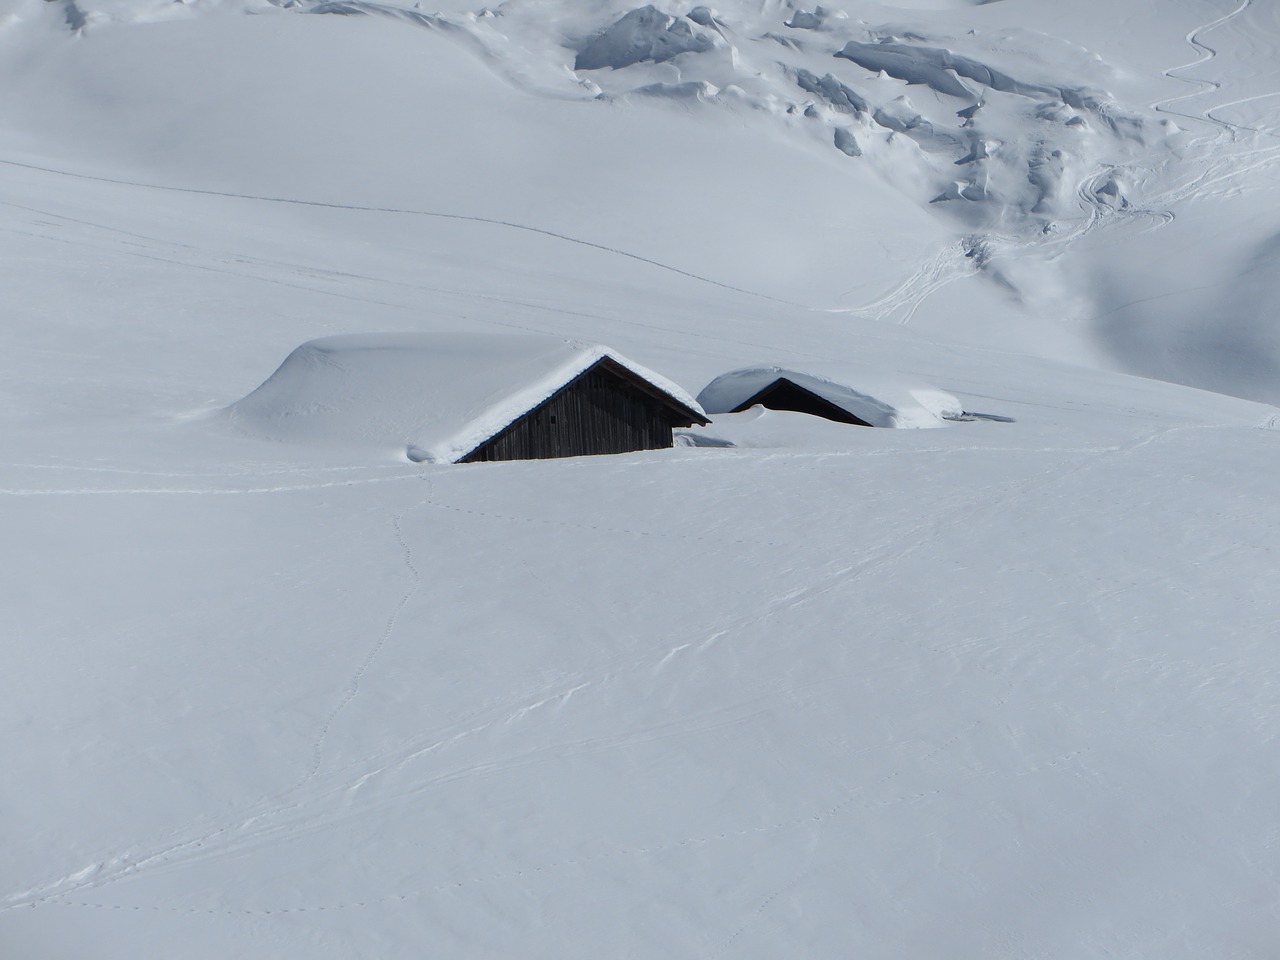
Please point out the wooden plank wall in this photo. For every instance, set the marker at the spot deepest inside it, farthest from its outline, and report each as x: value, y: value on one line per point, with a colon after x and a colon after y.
x: 596, y: 413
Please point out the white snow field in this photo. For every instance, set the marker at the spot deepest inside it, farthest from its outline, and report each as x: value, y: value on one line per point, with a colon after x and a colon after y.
x: 791, y: 689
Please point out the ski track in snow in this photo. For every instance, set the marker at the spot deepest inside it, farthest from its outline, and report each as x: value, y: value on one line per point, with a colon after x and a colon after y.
x: 878, y: 559
x: 257, y: 829
x: 232, y: 264
x: 1216, y: 168
x: 810, y: 821
x: 101, y: 874
x: 1207, y: 53
x: 202, y: 846
x: 183, y: 475
x: 435, y: 214
x: 902, y: 301
x: 325, y: 485
x: 192, y: 491
x: 251, y: 829
x: 353, y: 686
x: 947, y: 265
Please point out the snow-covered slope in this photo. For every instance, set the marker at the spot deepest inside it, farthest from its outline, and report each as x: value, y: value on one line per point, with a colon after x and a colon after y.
x: 796, y: 688
x: 906, y: 150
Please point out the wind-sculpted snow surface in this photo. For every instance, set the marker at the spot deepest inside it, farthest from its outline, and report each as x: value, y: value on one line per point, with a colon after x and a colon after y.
x: 1026, y: 142
x: 643, y: 34
x: 940, y: 68
x: 994, y: 88
x: 996, y: 130
x: 840, y: 97
x: 931, y: 66
x: 747, y: 59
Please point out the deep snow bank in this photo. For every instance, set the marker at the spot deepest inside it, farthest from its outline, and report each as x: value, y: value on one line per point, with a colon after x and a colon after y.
x: 437, y: 396
x: 881, y: 398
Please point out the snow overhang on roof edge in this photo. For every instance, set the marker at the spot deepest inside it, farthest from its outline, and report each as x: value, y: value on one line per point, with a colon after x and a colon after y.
x: 516, y: 404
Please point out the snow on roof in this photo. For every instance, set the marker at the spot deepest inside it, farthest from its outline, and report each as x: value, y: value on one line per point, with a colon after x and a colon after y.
x: 882, y: 399
x: 437, y: 395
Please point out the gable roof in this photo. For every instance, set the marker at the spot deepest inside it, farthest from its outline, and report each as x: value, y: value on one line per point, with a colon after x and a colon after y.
x: 441, y: 394
x: 882, y: 399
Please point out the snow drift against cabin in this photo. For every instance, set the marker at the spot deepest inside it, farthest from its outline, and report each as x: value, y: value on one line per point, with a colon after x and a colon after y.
x: 881, y: 399
x: 436, y: 395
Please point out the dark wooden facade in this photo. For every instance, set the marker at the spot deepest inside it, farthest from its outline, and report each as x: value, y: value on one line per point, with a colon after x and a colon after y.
x: 605, y: 409
x: 783, y: 394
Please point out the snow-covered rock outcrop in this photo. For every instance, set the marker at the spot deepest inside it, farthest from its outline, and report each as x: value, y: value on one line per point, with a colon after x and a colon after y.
x: 642, y: 34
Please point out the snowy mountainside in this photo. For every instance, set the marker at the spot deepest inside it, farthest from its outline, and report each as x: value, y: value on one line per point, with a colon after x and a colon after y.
x: 1016, y: 131
x: 1005, y: 118
x: 996, y: 689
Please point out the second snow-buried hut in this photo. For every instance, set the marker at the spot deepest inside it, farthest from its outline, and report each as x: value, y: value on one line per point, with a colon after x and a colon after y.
x: 457, y: 398
x: 833, y: 391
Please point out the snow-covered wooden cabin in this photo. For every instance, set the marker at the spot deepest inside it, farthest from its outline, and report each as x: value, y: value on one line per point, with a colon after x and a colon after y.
x: 457, y: 398
x: 834, y: 391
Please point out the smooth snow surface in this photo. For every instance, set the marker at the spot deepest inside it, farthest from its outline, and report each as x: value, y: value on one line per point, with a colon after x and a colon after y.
x: 877, y: 397
x: 795, y: 689
x: 435, y: 396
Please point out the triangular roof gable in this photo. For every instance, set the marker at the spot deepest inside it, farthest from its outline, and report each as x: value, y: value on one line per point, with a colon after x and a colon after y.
x: 881, y: 398
x: 589, y: 356
x: 686, y: 409
x: 817, y: 406
x: 682, y: 415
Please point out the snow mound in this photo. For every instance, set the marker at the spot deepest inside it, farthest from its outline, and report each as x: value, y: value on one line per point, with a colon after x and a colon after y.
x: 431, y: 397
x: 644, y: 34
x: 880, y: 398
x: 840, y: 97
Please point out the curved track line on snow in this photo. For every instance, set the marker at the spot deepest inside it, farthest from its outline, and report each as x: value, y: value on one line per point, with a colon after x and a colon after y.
x: 262, y: 818
x: 193, y: 491
x: 1099, y: 213
x: 253, y: 829
x: 124, y: 867
x: 1207, y: 53
x: 863, y: 797
x: 341, y: 276
x: 403, y: 211
x: 949, y: 263
x: 1235, y: 103
x: 353, y: 685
